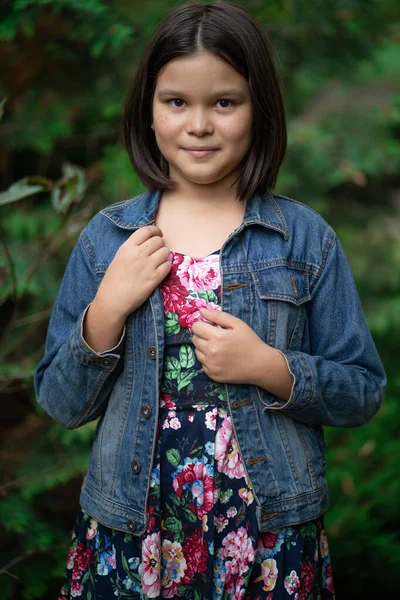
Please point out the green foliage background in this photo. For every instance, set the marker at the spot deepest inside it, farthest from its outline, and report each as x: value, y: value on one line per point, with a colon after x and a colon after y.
x: 65, y: 66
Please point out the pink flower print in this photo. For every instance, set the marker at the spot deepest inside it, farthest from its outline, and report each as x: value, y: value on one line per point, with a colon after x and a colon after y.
x: 76, y: 588
x: 151, y: 559
x: 195, y: 551
x: 220, y: 522
x: 174, y: 294
x: 211, y: 419
x: 307, y: 578
x: 174, y: 563
x: 196, y: 477
x: 269, y: 574
x: 190, y: 417
x: 82, y: 557
x: 291, y: 583
x: 175, y: 423
x: 189, y: 313
x: 231, y: 512
x: 227, y: 451
x: 239, y: 554
x: 329, y: 580
x: 247, y: 495
x: 92, y: 529
x: 200, y: 273
x: 167, y: 402
x: 71, y: 557
x: 175, y: 259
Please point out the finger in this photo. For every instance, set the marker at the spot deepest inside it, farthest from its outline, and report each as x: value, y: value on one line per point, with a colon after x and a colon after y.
x: 160, y: 257
x: 201, y: 329
x: 145, y: 233
x: 152, y: 245
x: 200, y: 343
x: 219, y: 317
x: 201, y: 357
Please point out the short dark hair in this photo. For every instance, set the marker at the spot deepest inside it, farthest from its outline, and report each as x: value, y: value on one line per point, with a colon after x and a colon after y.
x: 229, y: 32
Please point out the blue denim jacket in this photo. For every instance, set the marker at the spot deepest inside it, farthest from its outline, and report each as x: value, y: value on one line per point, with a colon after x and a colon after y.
x: 284, y: 273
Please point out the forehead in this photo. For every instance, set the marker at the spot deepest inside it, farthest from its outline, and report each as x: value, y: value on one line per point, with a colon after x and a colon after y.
x: 192, y: 72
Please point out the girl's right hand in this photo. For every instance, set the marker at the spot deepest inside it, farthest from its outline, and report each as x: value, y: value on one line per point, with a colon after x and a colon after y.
x: 139, y: 265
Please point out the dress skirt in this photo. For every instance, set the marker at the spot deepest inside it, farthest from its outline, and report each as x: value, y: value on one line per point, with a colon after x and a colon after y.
x: 202, y: 540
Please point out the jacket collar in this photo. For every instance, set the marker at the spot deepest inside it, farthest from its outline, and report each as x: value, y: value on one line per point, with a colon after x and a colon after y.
x: 140, y: 211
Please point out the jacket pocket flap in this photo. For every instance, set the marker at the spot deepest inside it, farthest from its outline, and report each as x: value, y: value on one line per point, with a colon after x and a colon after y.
x: 281, y: 283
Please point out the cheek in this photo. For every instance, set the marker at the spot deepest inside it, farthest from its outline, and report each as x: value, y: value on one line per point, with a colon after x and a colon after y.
x: 237, y: 131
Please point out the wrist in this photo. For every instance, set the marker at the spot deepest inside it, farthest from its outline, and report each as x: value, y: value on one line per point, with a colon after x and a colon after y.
x: 271, y: 372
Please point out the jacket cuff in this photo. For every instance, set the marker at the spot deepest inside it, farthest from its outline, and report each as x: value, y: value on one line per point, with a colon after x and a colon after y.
x: 302, y: 388
x: 106, y: 359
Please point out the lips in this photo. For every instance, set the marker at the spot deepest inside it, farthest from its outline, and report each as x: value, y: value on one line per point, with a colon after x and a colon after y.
x: 199, y: 152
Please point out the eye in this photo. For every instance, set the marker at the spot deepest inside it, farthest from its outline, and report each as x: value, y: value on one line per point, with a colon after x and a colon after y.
x: 179, y: 102
x: 225, y: 103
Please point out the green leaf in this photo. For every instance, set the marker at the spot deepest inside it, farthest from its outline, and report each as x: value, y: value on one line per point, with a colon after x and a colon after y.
x: 190, y: 515
x: 186, y: 356
x: 20, y: 189
x: 185, y: 378
x: 173, y: 524
x: 174, y: 457
x: 171, y: 323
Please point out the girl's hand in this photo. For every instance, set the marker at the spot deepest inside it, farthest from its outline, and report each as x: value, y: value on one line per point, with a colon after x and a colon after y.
x: 139, y: 265
x: 234, y: 353
x: 228, y: 354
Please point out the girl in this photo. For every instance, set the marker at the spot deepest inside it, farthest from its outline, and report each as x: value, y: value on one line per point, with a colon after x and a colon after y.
x: 212, y: 327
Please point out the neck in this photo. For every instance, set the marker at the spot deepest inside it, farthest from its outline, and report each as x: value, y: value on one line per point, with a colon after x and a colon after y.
x: 198, y: 196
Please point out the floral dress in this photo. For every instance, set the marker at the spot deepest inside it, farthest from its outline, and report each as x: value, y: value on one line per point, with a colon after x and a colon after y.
x: 202, y: 540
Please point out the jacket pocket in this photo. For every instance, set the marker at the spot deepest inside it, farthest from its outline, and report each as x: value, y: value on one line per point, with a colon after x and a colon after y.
x: 283, y: 295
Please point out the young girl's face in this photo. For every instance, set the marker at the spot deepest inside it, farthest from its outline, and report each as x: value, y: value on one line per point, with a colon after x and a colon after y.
x: 202, y: 117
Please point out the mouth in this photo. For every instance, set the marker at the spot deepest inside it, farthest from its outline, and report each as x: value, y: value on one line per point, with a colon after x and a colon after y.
x: 200, y: 152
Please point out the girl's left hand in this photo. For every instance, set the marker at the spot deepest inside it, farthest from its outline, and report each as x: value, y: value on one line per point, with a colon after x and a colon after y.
x: 230, y: 353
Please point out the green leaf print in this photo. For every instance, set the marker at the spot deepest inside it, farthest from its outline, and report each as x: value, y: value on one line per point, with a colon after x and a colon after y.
x: 186, y: 356
x: 309, y: 530
x: 173, y: 524
x: 85, y: 577
x: 131, y: 574
x: 190, y: 515
x: 208, y: 296
x: 174, y: 457
x: 89, y: 595
x: 185, y: 378
x: 179, y: 537
x: 172, y: 364
x: 171, y: 325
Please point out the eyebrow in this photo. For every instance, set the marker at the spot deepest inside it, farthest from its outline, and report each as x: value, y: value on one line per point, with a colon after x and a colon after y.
x: 222, y: 93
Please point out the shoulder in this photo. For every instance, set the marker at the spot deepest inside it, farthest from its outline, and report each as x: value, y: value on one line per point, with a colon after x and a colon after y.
x: 310, y: 235
x: 300, y: 213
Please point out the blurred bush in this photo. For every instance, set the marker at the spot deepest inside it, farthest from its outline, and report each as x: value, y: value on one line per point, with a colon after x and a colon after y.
x: 65, y: 66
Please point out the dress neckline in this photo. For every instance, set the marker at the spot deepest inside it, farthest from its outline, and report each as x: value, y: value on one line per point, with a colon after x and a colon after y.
x: 196, y: 257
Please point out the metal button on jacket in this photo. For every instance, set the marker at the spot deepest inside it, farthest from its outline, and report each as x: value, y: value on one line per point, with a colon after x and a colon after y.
x: 151, y: 352
x: 136, y: 467
x: 131, y: 525
x: 146, y: 411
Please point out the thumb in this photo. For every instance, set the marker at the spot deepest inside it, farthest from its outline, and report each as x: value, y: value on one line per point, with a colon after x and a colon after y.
x: 219, y: 317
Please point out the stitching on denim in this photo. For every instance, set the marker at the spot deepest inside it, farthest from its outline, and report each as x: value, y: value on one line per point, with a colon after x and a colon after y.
x: 88, y: 247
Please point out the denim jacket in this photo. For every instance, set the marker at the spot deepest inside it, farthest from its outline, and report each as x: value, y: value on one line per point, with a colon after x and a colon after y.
x: 284, y: 273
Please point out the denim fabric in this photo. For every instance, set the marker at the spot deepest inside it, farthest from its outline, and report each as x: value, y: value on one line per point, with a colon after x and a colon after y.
x: 284, y: 273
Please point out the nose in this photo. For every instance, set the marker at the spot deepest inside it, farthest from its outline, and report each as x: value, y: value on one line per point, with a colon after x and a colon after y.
x: 199, y: 122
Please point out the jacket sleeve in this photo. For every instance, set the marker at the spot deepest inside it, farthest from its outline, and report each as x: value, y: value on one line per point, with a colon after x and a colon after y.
x: 342, y: 381
x: 72, y: 381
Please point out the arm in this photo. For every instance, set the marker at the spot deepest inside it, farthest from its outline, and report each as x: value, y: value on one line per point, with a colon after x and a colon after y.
x: 73, y: 381
x: 341, y: 381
